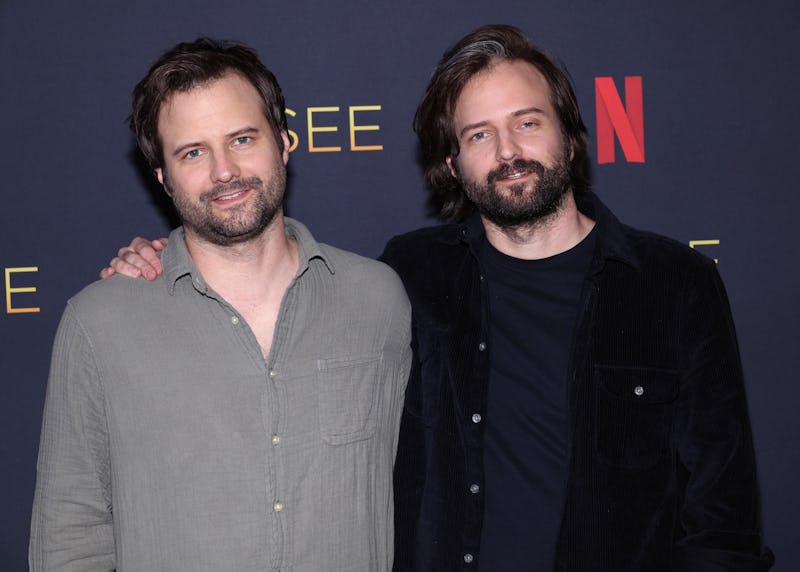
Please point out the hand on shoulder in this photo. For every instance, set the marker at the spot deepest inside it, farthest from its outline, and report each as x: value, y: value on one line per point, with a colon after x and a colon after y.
x: 139, y: 258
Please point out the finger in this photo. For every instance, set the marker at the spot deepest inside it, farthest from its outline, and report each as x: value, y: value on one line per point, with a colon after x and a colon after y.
x: 131, y: 265
x: 141, y: 254
x: 107, y: 272
x: 148, y: 249
x: 138, y: 243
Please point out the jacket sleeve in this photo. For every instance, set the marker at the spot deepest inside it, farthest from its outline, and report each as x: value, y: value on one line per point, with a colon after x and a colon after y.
x: 720, y: 511
x: 71, y: 526
x: 409, y: 479
x: 410, y: 466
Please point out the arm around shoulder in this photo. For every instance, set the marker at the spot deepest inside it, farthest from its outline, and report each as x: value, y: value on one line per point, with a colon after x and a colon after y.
x: 140, y: 258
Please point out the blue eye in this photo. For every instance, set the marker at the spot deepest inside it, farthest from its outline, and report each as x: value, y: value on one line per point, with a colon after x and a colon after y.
x: 244, y: 139
x: 478, y: 136
x: 193, y: 154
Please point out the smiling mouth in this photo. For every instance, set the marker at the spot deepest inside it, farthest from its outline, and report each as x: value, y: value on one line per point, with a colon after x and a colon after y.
x: 516, y: 171
x: 516, y: 175
x: 229, y: 196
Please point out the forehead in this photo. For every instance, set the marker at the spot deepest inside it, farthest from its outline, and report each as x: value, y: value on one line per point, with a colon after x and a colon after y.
x: 226, y: 100
x: 501, y: 90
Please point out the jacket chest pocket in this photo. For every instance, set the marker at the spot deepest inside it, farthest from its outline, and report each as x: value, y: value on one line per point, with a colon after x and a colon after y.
x: 634, y: 415
x: 347, y: 398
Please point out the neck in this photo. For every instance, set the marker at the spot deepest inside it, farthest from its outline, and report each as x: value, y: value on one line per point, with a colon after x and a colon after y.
x: 541, y: 238
x: 249, y: 269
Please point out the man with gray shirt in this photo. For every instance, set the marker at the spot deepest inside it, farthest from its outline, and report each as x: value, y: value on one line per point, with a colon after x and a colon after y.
x: 241, y: 411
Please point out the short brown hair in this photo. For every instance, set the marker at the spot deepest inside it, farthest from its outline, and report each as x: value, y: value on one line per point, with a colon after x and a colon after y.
x: 433, y: 121
x: 192, y: 64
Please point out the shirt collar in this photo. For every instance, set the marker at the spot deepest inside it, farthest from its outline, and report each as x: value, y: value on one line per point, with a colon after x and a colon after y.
x: 177, y: 263
x: 308, y: 249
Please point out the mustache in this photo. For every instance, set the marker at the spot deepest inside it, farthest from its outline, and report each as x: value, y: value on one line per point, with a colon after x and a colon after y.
x: 233, y: 186
x: 506, y: 169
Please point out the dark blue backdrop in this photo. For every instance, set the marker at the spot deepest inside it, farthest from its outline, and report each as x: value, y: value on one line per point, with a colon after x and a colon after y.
x: 719, y: 86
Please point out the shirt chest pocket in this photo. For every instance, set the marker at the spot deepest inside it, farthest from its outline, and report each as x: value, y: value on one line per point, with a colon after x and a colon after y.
x: 634, y: 415
x: 347, y: 398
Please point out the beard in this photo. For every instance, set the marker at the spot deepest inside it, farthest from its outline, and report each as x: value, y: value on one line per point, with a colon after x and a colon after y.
x: 525, y: 203
x: 239, y: 223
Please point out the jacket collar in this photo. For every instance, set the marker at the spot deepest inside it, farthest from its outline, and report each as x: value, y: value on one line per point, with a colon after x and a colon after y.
x: 612, y: 240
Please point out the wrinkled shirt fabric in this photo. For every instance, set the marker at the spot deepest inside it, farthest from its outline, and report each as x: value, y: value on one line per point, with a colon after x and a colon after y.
x: 169, y: 443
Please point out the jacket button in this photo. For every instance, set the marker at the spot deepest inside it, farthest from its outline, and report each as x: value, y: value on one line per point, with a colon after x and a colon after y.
x: 476, y: 417
x: 638, y: 390
x: 474, y: 488
x: 468, y: 558
x: 482, y: 346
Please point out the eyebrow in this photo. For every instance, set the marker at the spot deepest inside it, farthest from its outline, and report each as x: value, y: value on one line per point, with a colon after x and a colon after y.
x: 238, y: 133
x: 518, y: 113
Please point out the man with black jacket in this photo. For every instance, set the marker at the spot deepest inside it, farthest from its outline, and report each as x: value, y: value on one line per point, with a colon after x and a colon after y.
x: 576, y: 399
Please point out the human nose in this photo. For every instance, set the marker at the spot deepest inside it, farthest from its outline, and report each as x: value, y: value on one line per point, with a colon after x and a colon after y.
x: 507, y: 147
x: 223, y: 168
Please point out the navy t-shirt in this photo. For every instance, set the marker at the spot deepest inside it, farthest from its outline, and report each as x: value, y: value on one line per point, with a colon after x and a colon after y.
x: 533, y: 305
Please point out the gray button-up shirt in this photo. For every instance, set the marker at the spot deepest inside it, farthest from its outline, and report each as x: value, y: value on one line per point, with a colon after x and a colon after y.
x: 169, y: 444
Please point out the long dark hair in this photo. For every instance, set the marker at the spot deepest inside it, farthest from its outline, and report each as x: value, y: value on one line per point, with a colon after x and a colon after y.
x: 433, y: 121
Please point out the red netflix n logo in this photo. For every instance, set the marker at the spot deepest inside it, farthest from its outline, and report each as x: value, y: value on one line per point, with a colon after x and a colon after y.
x: 626, y: 121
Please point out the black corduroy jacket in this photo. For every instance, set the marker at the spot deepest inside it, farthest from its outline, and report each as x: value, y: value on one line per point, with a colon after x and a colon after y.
x: 661, y: 470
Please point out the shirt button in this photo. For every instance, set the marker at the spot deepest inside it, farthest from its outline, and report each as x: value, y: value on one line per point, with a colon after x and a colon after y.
x: 638, y: 390
x: 474, y: 488
x: 273, y: 374
x: 276, y: 440
x: 234, y: 320
x: 476, y: 417
x: 468, y: 558
x: 278, y: 506
x: 482, y: 346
